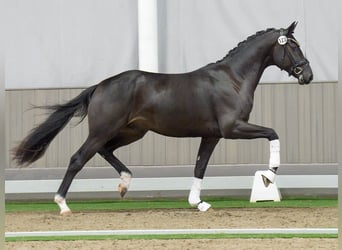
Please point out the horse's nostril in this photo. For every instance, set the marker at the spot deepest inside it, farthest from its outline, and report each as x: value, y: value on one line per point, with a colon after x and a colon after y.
x: 311, y: 78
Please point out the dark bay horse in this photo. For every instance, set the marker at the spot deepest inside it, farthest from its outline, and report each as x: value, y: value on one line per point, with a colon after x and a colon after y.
x: 212, y: 102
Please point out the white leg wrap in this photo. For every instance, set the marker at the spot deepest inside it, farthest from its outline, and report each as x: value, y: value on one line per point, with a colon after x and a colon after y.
x: 194, y: 196
x: 125, y: 179
x: 274, y: 154
x: 61, y: 202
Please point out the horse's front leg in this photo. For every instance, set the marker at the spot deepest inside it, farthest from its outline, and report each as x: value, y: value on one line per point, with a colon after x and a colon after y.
x: 125, y: 173
x: 206, y: 148
x: 122, y: 139
x: 244, y: 130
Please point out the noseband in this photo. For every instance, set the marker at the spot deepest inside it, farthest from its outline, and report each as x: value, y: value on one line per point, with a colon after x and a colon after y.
x: 297, y: 67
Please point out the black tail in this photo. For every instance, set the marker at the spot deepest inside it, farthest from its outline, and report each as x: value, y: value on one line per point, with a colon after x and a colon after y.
x: 35, y: 144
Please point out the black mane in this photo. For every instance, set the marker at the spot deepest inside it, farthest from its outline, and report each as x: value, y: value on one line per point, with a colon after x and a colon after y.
x: 240, y: 44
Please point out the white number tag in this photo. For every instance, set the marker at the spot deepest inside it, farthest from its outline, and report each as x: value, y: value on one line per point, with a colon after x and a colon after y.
x: 282, y: 40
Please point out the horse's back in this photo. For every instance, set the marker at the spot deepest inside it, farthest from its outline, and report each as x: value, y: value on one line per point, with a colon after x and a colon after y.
x: 178, y: 105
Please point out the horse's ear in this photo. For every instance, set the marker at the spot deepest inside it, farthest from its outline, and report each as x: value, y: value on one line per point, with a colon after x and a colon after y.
x: 291, y: 28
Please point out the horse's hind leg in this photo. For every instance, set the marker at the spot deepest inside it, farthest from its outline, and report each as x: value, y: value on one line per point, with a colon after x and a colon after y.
x: 77, y: 161
x: 206, y: 148
x: 124, y: 138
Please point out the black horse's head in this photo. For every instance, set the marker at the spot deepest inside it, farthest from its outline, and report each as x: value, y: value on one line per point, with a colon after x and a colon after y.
x: 288, y: 56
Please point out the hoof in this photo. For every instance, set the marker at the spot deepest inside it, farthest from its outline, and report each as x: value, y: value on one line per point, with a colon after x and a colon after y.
x: 268, y: 177
x: 66, y: 212
x: 122, y: 190
x: 210, y: 210
x: 203, y: 206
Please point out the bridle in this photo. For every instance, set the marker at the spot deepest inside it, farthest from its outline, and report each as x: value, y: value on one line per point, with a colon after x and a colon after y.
x: 297, y: 67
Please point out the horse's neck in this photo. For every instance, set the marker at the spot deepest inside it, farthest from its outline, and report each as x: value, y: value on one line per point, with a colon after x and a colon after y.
x: 250, y: 63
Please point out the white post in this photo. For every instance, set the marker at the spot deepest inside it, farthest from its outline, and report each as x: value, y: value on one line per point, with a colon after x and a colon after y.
x: 3, y: 152
x: 148, y: 35
x: 338, y: 129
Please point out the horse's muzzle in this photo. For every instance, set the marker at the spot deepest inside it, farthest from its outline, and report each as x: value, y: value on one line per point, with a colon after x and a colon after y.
x: 305, y: 75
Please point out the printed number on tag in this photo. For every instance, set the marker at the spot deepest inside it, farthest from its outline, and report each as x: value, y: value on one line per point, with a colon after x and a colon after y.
x: 282, y: 40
